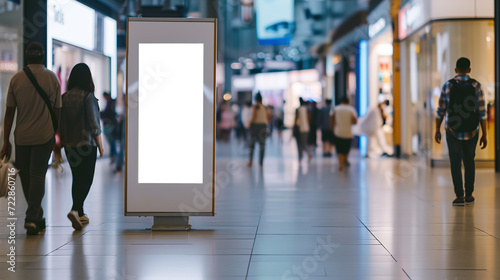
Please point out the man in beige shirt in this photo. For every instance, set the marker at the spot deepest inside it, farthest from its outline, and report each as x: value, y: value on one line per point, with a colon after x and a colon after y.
x: 34, y: 132
x: 344, y: 116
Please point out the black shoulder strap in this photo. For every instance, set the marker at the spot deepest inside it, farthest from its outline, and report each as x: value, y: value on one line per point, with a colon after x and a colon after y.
x: 43, y: 95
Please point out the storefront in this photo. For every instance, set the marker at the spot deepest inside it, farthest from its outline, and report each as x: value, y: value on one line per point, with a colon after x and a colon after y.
x: 433, y: 38
x: 380, y: 86
x: 305, y: 84
x: 70, y: 42
x: 282, y: 90
x: 349, y: 64
x: 344, y: 77
x: 273, y: 87
x: 242, y: 88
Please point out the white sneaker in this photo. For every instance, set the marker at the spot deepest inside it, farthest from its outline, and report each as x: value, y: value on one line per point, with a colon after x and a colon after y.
x: 75, y: 220
x: 84, y: 219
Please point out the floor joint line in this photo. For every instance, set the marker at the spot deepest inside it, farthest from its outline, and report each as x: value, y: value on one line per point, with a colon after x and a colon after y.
x: 253, y: 246
x: 376, y: 238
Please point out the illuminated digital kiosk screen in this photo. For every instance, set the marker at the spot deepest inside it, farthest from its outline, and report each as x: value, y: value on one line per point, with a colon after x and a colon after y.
x: 170, y: 113
x: 170, y: 117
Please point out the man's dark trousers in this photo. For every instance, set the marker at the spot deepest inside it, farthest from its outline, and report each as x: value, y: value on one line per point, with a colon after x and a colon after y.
x: 462, y: 150
x: 32, y: 162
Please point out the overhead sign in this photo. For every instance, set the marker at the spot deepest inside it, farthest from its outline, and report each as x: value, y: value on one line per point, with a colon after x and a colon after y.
x: 71, y: 22
x: 410, y: 18
x: 170, y: 117
x: 374, y: 29
x: 275, y: 21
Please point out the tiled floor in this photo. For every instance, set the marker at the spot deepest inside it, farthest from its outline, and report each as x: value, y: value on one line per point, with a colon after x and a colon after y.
x: 379, y: 219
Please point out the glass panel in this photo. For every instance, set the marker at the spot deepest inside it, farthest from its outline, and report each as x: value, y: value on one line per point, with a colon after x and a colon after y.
x: 10, y: 50
x: 473, y: 39
x: 417, y: 87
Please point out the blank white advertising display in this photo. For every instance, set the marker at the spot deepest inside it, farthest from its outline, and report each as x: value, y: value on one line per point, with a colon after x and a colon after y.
x: 170, y: 117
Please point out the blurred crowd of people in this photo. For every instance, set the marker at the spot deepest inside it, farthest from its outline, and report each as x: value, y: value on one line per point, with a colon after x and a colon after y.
x: 235, y: 118
x: 113, y: 120
x: 335, y: 126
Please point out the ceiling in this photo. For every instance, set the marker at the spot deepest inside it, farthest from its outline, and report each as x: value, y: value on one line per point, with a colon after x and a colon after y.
x: 314, y: 21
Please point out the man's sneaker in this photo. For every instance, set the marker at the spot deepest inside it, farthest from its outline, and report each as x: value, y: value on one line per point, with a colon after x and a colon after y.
x: 459, y: 201
x: 469, y: 199
x: 31, y: 228
x: 75, y: 220
x: 84, y: 219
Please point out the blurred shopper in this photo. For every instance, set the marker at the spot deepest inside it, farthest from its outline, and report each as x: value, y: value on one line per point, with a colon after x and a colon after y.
x: 462, y: 102
x: 270, y: 128
x: 246, y: 117
x: 237, y: 121
x: 226, y: 121
x: 344, y: 116
x: 312, y: 139
x: 301, y: 129
x: 279, y: 123
x: 110, y: 124
x: 120, y: 134
x: 258, y: 128
x: 81, y: 137
x: 36, y: 95
x: 371, y: 125
x: 325, y: 114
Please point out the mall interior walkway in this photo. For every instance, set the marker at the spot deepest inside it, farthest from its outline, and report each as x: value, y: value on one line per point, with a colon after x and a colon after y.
x: 380, y: 219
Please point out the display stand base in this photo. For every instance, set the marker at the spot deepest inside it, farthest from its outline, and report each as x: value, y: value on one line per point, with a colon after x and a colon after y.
x: 171, y: 223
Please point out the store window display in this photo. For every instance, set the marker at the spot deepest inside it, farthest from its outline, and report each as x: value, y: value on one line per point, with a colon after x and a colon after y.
x: 380, y: 141
x: 478, y: 45
x: 430, y: 56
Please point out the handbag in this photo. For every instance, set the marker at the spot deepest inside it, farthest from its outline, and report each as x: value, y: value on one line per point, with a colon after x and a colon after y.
x: 43, y: 95
x: 7, y: 174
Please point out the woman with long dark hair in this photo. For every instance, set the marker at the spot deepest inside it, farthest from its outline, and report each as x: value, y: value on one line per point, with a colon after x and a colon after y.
x: 81, y: 137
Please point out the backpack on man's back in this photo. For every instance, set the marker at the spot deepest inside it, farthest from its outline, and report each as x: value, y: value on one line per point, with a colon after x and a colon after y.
x: 463, y: 106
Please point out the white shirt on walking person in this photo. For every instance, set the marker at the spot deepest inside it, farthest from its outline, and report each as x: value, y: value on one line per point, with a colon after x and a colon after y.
x: 344, y: 114
x: 246, y: 116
